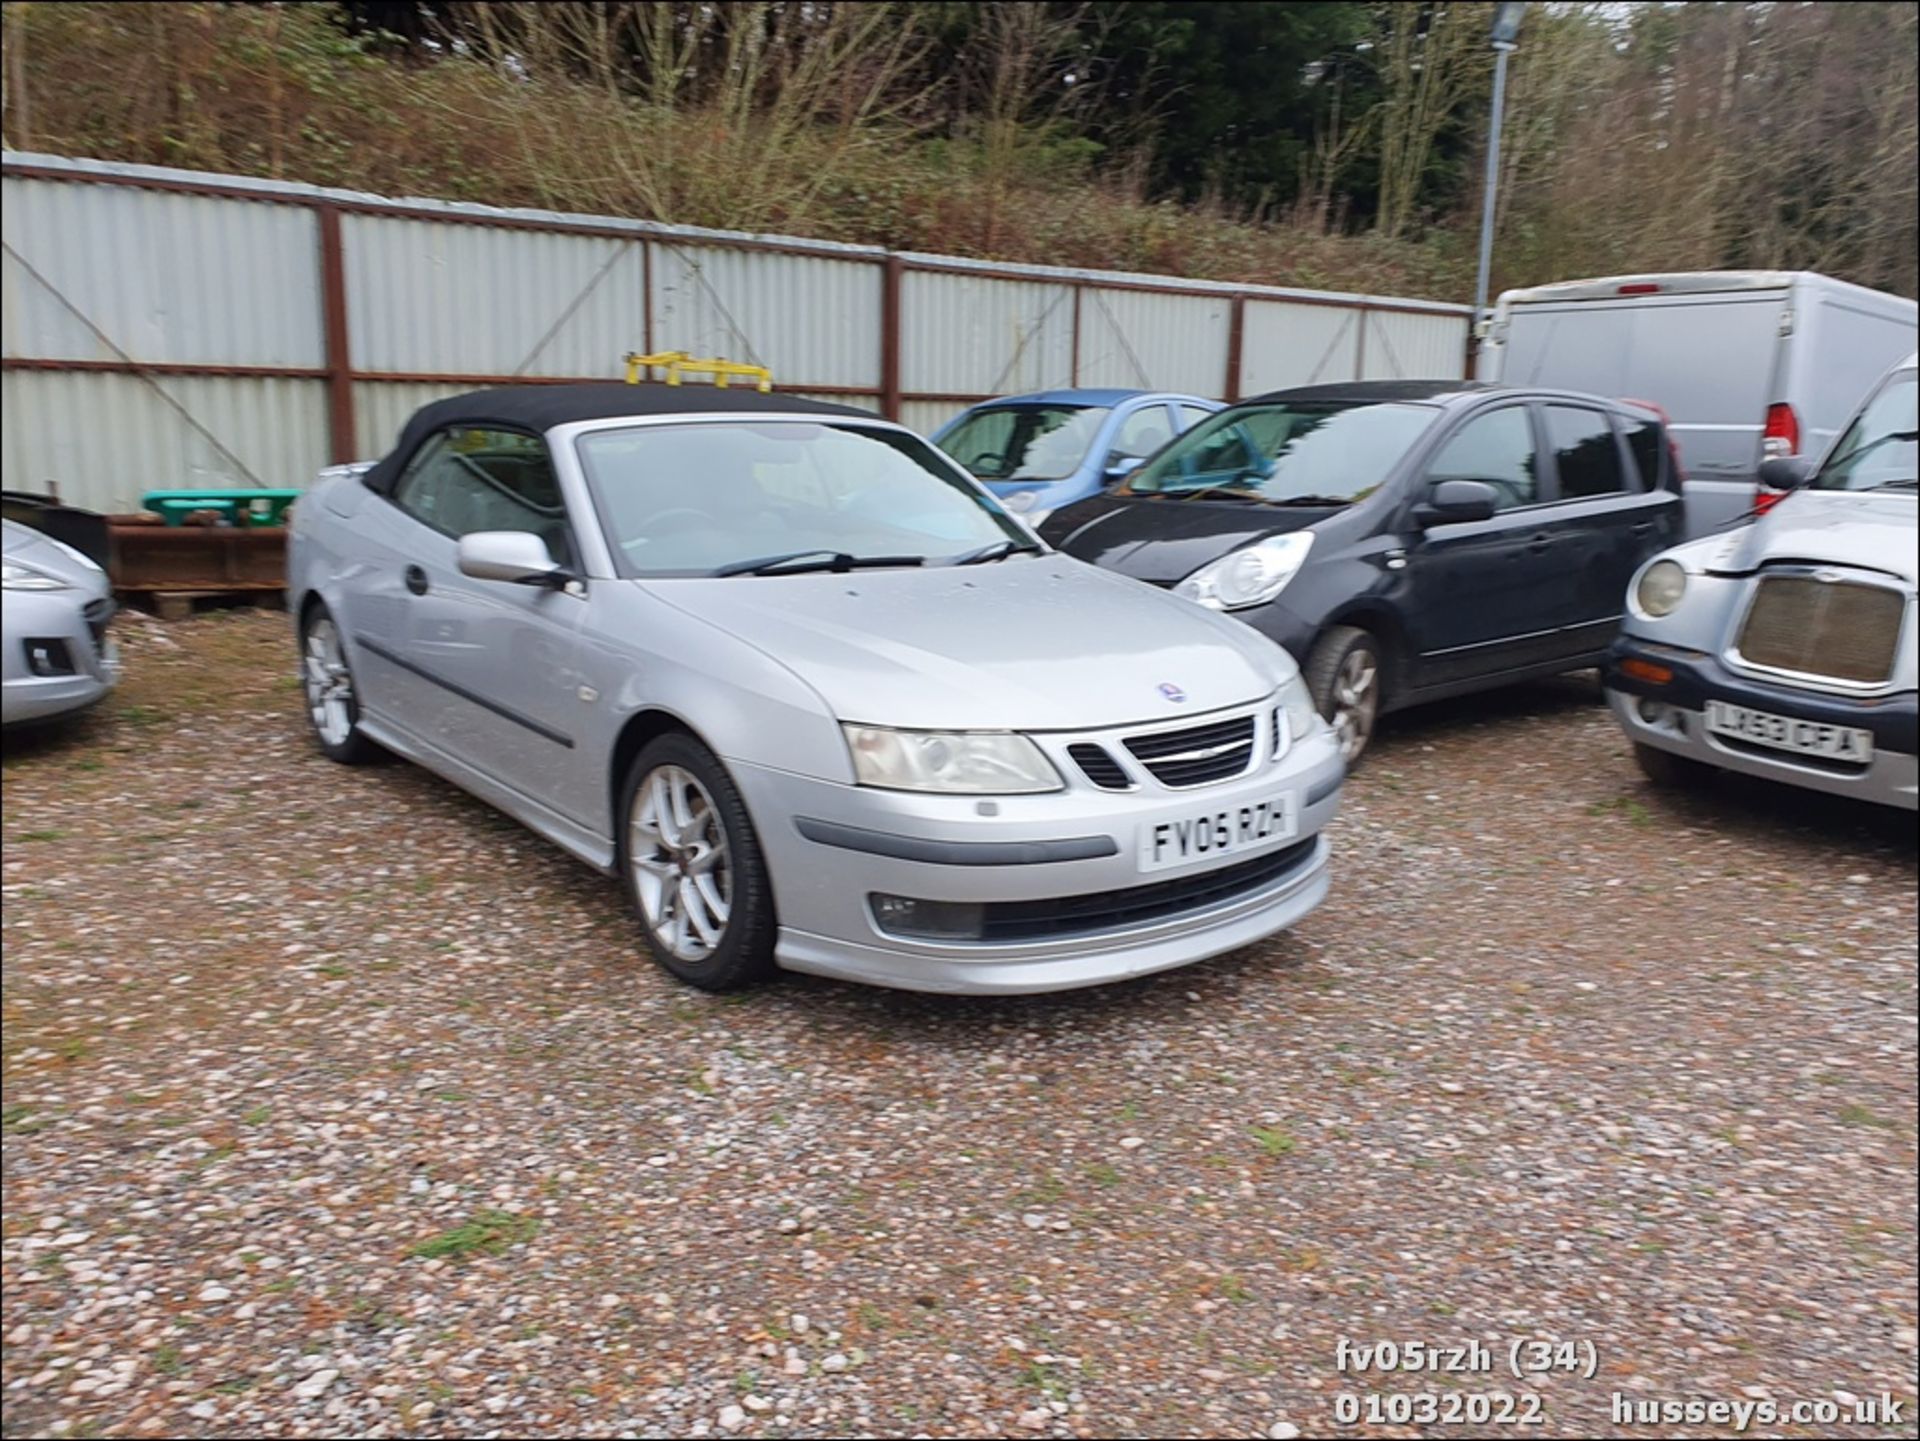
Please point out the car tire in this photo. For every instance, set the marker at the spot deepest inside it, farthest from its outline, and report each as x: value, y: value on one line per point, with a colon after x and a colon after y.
x: 1664, y: 768
x: 677, y: 887
x: 326, y: 683
x: 1347, y: 679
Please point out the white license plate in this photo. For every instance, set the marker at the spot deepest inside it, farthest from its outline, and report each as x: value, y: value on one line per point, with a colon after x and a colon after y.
x: 1804, y: 737
x: 1209, y: 834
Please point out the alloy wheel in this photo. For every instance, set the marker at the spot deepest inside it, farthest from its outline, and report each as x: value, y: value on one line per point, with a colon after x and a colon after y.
x: 681, y: 866
x: 328, y: 683
x: 1356, y: 701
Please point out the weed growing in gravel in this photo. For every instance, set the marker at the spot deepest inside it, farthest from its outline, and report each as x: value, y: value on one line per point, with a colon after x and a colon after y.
x: 1101, y: 1174
x: 257, y: 1116
x: 1635, y: 813
x: 166, y: 1360
x: 489, y: 1232
x: 1274, y: 1140
x: 1234, y: 1289
x: 1857, y: 1115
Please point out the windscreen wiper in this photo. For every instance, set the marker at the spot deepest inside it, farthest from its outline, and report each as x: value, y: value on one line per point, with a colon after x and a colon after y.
x: 999, y: 550
x: 1199, y: 490
x: 800, y: 561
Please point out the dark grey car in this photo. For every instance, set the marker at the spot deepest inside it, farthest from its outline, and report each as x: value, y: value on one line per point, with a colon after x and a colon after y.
x: 1405, y: 540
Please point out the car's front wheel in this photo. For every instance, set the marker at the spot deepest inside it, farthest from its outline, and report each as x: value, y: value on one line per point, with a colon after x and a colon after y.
x: 693, y: 867
x: 1344, y: 673
x: 326, y: 679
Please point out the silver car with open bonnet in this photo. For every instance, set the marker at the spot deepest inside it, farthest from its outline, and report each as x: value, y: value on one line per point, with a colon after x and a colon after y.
x: 1787, y: 648
x: 809, y: 691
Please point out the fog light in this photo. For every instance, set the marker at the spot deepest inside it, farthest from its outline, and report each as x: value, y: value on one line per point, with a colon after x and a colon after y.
x: 49, y: 657
x: 930, y: 920
x: 1656, y: 712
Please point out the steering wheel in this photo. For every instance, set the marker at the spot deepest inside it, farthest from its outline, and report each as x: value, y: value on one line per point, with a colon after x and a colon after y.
x: 683, y: 516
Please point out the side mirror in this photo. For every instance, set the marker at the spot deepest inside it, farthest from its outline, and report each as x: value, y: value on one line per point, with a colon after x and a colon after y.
x: 1120, y: 467
x: 518, y: 556
x: 1785, y: 472
x: 1457, y: 500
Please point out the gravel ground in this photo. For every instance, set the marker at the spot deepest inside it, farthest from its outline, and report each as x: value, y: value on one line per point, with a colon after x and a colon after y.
x: 336, y: 1102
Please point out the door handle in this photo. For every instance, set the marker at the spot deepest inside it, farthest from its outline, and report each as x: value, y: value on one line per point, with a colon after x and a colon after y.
x: 416, y: 579
x: 1540, y: 542
x: 1644, y: 527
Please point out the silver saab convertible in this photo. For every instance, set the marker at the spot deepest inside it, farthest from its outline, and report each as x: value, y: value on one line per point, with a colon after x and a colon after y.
x: 804, y: 685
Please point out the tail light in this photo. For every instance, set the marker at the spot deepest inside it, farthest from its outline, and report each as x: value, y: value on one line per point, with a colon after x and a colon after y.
x: 1782, y: 434
x: 1780, y: 437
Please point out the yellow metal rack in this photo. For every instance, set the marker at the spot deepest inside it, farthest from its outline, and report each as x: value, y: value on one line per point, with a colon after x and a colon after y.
x: 675, y: 362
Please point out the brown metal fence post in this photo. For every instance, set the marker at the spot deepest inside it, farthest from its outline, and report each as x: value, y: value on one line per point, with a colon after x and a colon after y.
x: 1236, y: 338
x: 890, y: 337
x: 342, y: 442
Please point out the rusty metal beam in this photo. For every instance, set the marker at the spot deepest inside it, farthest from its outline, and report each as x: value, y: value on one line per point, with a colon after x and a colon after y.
x: 164, y: 367
x: 341, y: 440
x: 1236, y: 342
x: 890, y: 338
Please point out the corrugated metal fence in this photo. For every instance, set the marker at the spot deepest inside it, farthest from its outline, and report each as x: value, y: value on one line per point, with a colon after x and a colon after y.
x: 173, y: 328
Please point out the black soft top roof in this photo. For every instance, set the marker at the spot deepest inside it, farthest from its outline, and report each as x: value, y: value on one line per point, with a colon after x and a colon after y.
x: 1372, y: 390
x: 538, y: 408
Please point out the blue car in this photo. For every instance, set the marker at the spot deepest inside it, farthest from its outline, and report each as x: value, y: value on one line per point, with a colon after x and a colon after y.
x: 1043, y: 451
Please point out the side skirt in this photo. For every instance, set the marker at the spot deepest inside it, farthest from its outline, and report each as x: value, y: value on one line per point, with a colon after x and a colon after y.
x: 596, y: 850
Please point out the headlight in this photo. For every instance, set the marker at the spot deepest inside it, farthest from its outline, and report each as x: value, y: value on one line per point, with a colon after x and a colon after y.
x: 1250, y: 576
x: 23, y: 577
x: 973, y: 762
x: 1661, y: 586
x: 1295, y: 702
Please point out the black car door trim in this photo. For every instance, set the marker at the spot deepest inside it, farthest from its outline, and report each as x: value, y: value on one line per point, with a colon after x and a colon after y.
x: 544, y: 732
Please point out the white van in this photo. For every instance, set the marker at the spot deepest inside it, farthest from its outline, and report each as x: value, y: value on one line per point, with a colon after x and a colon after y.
x: 1747, y: 364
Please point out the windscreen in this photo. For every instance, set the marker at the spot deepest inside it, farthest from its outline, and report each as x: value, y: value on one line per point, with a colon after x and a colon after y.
x: 1324, y: 453
x: 1024, y: 442
x: 695, y: 499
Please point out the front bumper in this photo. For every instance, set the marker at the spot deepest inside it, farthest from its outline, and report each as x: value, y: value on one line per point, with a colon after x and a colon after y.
x: 822, y: 888
x: 60, y: 616
x: 1891, y: 778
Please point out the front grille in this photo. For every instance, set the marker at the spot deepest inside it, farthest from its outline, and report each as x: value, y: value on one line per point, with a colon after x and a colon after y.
x: 1838, y: 629
x: 1098, y: 766
x: 1073, y: 915
x: 98, y: 613
x: 1195, y: 756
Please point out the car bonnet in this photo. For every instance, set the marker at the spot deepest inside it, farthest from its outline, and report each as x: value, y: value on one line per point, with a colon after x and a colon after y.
x: 1030, y: 643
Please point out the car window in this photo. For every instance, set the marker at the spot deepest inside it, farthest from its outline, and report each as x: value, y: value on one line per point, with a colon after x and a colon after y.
x: 468, y: 479
x: 1141, y: 434
x: 1191, y: 415
x: 1024, y: 442
x: 1585, y: 454
x: 1496, y: 448
x: 1645, y: 443
x: 695, y: 498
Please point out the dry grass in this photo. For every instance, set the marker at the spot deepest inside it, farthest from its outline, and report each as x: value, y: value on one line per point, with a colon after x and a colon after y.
x: 839, y: 154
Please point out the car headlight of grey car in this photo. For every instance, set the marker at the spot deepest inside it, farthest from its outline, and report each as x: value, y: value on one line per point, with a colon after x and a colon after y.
x: 25, y: 577
x: 1252, y: 575
x: 962, y: 762
x: 1661, y: 586
x: 1296, y: 704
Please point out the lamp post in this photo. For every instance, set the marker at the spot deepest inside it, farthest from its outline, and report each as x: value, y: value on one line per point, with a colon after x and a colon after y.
x: 1506, y: 26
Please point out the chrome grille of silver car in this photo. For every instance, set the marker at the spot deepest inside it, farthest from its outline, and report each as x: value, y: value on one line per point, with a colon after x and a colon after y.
x: 1196, y: 755
x: 1839, y: 630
